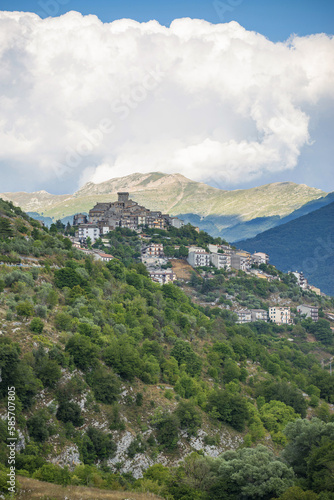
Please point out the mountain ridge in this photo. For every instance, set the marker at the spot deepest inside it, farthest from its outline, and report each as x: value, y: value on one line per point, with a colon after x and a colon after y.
x: 303, y: 244
x: 175, y: 194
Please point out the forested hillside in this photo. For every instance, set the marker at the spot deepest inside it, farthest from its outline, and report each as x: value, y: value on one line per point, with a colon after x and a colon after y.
x: 124, y: 384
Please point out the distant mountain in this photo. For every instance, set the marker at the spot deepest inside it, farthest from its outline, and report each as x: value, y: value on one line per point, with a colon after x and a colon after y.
x: 250, y: 228
x: 46, y: 220
x: 215, y: 210
x: 304, y: 244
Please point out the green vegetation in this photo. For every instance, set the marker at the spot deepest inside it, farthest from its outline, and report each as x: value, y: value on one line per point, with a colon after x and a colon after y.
x: 230, y: 288
x: 98, y: 352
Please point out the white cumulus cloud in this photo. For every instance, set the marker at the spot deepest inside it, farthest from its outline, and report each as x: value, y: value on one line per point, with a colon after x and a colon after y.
x: 85, y: 100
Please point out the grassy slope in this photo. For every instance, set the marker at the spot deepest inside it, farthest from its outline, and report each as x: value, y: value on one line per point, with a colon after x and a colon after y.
x: 33, y: 489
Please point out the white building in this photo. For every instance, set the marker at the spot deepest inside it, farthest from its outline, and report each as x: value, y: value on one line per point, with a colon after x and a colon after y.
x: 259, y: 315
x: 280, y: 315
x: 244, y: 316
x: 310, y: 311
x: 199, y: 258
x: 249, y: 315
x: 163, y: 276
x: 301, y: 280
x: 105, y: 257
x: 154, y: 250
x: 88, y: 230
x: 104, y: 230
x: 221, y: 260
x: 196, y: 249
x: 241, y: 260
x: 260, y: 258
x: 213, y: 248
x: 175, y: 222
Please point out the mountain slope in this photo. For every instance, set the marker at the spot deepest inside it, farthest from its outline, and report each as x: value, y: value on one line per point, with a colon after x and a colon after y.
x: 249, y: 229
x: 175, y: 194
x: 305, y: 244
x: 119, y: 380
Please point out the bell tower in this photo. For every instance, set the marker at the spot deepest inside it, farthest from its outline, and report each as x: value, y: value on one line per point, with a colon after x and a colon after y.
x: 123, y: 197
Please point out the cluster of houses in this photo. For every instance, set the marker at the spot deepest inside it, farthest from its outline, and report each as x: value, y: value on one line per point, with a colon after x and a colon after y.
x: 152, y: 255
x: 276, y: 314
x: 225, y: 257
x: 96, y: 254
x: 124, y: 212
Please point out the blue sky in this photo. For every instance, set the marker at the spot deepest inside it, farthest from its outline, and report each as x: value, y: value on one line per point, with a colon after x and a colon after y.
x: 189, y: 122
x: 276, y: 19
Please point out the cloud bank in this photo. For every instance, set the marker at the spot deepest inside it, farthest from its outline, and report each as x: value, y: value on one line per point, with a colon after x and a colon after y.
x: 85, y: 100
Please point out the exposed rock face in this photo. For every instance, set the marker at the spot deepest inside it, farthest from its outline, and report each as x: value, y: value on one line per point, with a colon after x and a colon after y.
x: 227, y: 442
x: 142, y: 461
x: 68, y: 457
x: 21, y: 442
x: 136, y: 465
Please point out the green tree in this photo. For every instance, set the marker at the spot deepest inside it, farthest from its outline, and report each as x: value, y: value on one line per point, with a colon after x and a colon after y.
x: 231, y: 371
x: 47, y: 370
x: 296, y: 493
x: 117, y: 268
x: 285, y: 392
x: 105, y: 384
x: 36, y: 325
x: 275, y: 416
x: 63, y: 321
x: 9, y: 364
x: 52, y: 298
x: 68, y: 277
x: 167, y: 431
x: 68, y: 411
x: 183, y: 251
x: 37, y: 426
x: 304, y: 437
x: 6, y: 230
x: 320, y: 467
x: 123, y: 357
x: 184, y: 354
x: 25, y: 308
x: 229, y: 408
x: 84, y: 353
x: 53, y: 474
x: 97, y: 445
x: 252, y: 473
x: 188, y: 416
x: 322, y: 331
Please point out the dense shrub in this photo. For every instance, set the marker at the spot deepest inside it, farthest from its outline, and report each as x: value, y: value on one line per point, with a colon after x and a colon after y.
x: 106, y: 385
x: 68, y: 411
x: 36, y: 325
x: 167, y: 431
x: 82, y: 350
x: 37, y: 426
x: 229, y: 408
x: 97, y: 445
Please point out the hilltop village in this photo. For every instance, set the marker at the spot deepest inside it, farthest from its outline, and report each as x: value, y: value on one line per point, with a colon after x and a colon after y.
x: 126, y: 213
